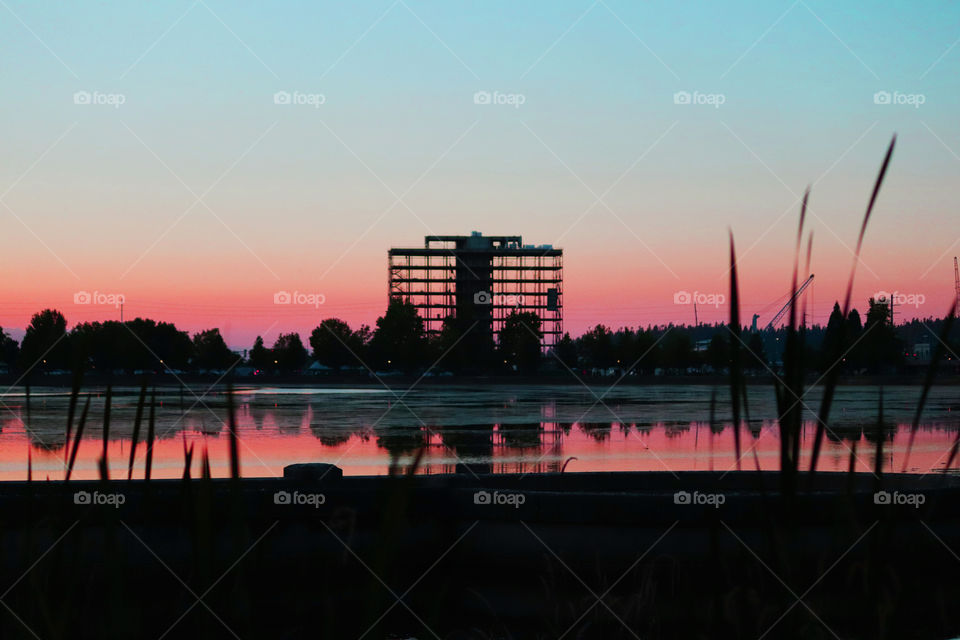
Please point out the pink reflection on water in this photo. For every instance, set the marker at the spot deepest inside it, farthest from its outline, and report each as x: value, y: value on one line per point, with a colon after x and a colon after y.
x: 266, y: 446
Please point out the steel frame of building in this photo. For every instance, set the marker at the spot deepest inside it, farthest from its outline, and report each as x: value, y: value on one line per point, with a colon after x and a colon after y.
x: 450, y: 274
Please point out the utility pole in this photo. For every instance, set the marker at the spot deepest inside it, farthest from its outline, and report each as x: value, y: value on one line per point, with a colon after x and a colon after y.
x: 696, y: 320
x: 956, y: 277
x: 121, y: 313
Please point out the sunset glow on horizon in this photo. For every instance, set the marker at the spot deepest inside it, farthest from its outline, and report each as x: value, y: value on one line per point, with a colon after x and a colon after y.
x: 200, y: 168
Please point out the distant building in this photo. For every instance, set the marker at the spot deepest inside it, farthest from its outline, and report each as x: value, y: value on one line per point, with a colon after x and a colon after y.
x: 479, y: 280
x: 921, y: 352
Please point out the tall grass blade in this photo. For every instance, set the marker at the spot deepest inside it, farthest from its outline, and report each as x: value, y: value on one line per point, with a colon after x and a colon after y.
x: 187, y: 458
x: 953, y: 454
x: 72, y: 409
x: 103, y: 462
x: 76, y: 439
x: 736, y: 362
x: 135, y: 438
x: 938, y: 353
x: 234, y: 442
x: 150, y: 435
x: 878, y: 455
x: 833, y: 373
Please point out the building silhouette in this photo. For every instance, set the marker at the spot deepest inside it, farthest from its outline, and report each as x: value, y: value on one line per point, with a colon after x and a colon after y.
x: 477, y: 281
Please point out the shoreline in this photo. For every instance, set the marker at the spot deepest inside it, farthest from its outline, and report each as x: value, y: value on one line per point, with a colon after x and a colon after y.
x: 405, y: 381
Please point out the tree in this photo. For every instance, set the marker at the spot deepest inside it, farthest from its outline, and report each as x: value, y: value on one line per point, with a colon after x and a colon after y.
x: 9, y: 349
x: 880, y: 346
x: 399, y: 340
x: 462, y: 346
x: 718, y: 353
x: 156, y: 346
x: 210, y: 351
x: 44, y: 346
x: 566, y: 351
x: 289, y: 354
x: 520, y: 339
x: 833, y: 339
x: 260, y: 357
x: 596, y: 347
x: 757, y: 358
x: 676, y: 349
x: 335, y: 345
x: 138, y: 344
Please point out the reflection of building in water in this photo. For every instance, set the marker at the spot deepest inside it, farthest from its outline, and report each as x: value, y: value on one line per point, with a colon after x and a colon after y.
x: 480, y: 279
x: 599, y: 431
x: 471, y: 445
x: 529, y: 447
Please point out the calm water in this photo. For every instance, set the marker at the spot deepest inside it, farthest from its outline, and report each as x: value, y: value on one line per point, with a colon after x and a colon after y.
x: 501, y: 429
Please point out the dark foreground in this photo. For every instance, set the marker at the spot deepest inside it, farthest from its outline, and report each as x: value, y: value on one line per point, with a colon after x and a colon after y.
x: 624, y: 555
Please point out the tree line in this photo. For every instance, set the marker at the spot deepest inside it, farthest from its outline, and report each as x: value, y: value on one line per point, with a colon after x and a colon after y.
x: 400, y: 342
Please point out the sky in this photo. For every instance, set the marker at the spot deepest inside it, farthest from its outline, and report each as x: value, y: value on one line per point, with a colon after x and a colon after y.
x: 196, y: 157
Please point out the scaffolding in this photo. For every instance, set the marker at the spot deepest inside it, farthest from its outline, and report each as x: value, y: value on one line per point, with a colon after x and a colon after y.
x: 480, y: 279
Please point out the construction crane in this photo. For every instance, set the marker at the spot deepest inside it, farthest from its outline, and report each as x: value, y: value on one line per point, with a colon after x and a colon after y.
x: 783, y: 310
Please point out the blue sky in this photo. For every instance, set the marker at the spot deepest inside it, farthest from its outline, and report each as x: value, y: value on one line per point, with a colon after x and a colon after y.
x: 292, y: 196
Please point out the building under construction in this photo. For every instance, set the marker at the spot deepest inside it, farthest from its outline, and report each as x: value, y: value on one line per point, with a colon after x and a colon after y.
x: 478, y: 280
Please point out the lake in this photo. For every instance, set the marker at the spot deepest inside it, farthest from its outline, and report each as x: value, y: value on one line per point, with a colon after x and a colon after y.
x: 495, y: 428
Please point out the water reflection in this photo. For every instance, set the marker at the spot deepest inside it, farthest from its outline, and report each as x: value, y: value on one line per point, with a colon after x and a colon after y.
x: 493, y: 430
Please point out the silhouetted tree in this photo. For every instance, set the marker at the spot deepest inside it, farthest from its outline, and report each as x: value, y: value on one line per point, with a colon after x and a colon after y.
x: 399, y: 340
x: 880, y: 348
x: 44, y: 346
x: 566, y: 351
x: 676, y: 349
x: 757, y: 358
x: 260, y: 357
x: 335, y: 345
x: 9, y: 349
x: 718, y: 353
x: 158, y: 346
x: 139, y: 344
x: 596, y: 347
x: 520, y: 339
x: 289, y: 354
x: 462, y: 346
x: 833, y: 339
x: 210, y: 351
